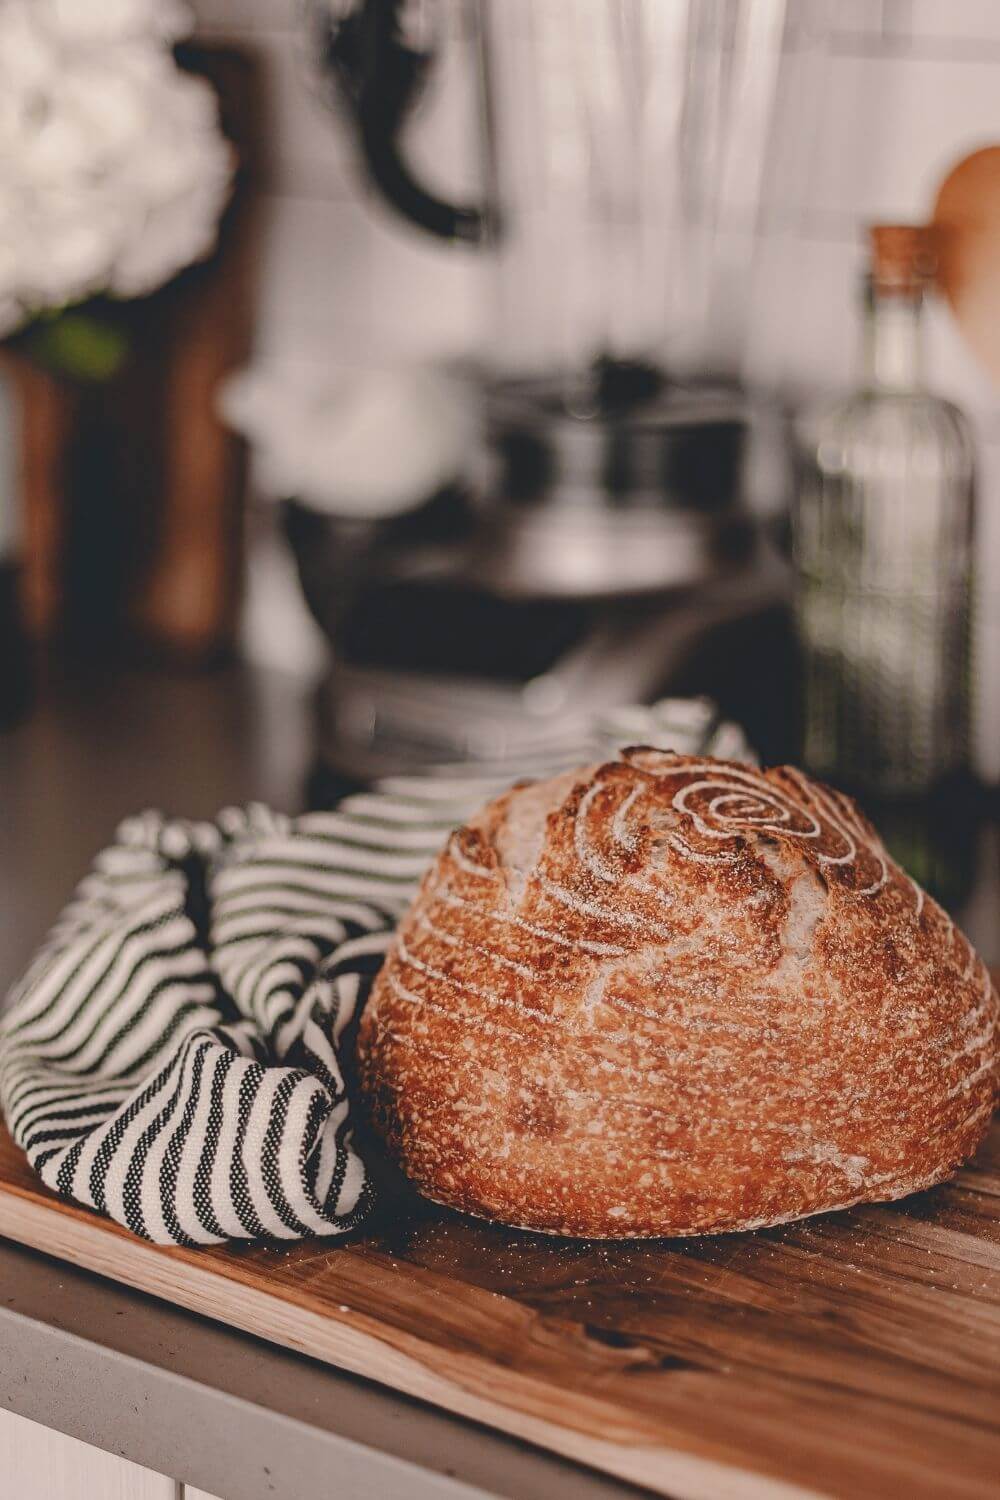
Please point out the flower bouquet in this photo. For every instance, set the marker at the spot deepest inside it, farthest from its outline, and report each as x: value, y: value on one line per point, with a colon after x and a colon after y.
x: 124, y: 298
x: 113, y: 171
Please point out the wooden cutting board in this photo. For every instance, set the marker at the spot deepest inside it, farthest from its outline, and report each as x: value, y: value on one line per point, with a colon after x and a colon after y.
x: 852, y: 1355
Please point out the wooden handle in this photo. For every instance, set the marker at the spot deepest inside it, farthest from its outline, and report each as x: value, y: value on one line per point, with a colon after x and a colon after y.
x: 967, y: 222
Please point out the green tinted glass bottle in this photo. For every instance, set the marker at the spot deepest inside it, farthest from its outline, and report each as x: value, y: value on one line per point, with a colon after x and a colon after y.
x: 883, y: 532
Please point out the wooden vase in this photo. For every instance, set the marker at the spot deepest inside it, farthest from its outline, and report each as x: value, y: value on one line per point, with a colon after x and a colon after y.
x: 132, y: 488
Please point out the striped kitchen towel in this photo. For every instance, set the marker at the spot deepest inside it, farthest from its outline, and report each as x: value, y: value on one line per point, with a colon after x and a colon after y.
x: 174, y: 1055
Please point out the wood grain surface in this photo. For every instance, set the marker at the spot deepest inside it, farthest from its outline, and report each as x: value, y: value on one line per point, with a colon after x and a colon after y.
x: 856, y: 1354
x: 967, y: 224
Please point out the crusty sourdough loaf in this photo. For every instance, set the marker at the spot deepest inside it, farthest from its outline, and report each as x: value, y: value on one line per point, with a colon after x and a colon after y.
x: 670, y: 996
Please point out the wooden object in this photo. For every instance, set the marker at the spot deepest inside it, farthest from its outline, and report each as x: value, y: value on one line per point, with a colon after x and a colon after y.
x: 44, y: 417
x: 857, y: 1354
x: 132, y: 488
x: 967, y: 225
x: 189, y: 603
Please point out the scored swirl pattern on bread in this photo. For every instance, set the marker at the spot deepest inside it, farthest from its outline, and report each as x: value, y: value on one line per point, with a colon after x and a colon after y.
x: 668, y: 995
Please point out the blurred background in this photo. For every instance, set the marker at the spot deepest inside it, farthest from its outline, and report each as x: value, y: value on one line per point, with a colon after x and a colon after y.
x: 385, y: 384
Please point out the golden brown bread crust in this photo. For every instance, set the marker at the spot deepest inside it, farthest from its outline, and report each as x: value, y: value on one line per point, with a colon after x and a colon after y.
x: 671, y: 996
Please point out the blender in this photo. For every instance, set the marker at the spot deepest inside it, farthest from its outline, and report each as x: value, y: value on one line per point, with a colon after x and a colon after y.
x: 603, y: 531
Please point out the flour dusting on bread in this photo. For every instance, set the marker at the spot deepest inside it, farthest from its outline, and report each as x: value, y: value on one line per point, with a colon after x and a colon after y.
x: 672, y: 995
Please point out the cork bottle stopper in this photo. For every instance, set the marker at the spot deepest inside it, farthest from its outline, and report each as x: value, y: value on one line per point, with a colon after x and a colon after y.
x: 903, y: 256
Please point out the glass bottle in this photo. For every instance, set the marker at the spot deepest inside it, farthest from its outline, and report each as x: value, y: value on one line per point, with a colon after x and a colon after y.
x: 882, y: 540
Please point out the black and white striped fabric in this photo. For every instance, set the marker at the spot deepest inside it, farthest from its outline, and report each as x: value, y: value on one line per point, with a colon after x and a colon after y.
x: 173, y: 1055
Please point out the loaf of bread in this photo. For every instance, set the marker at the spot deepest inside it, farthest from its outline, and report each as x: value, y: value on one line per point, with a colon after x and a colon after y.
x: 672, y: 996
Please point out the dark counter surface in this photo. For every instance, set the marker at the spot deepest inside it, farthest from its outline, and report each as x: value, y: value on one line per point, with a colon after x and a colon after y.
x: 93, y: 751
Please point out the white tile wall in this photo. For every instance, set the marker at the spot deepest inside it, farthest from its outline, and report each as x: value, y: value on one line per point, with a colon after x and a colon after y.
x: 902, y: 89
x: 948, y: 27
x: 427, y: 299
x: 316, y: 292
x: 895, y: 107
x: 310, y: 152
x: 803, y: 333
x: 892, y: 127
x: 237, y: 17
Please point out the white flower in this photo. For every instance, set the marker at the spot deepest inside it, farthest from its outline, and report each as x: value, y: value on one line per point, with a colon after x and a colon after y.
x: 364, y: 443
x: 77, y: 21
x: 113, y: 172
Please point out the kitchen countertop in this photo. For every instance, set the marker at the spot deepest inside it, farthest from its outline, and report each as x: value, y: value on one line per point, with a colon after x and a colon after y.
x: 174, y: 1392
x: 183, y: 1396
x: 237, y: 1417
